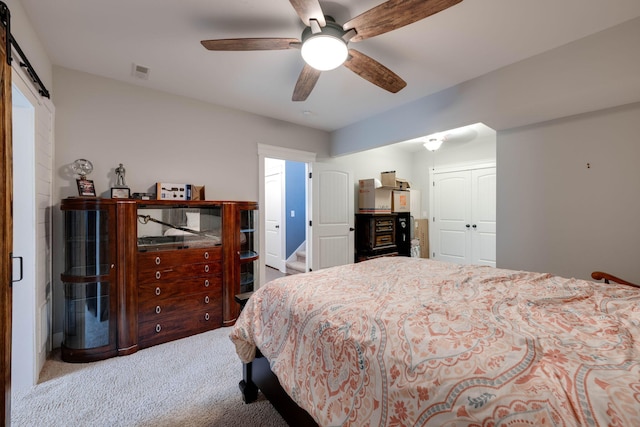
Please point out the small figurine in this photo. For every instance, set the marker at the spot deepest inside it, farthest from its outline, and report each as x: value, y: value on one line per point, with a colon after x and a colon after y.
x: 120, y: 171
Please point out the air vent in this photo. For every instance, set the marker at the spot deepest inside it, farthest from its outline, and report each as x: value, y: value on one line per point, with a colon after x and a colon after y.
x: 140, y: 72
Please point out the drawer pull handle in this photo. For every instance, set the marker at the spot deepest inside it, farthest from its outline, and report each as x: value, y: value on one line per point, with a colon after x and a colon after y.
x: 158, y: 290
x: 158, y: 275
x: 158, y: 309
x: 206, y: 268
x: 206, y: 283
x: 157, y: 260
x: 158, y: 328
x: 206, y: 255
x: 206, y: 299
x: 206, y: 317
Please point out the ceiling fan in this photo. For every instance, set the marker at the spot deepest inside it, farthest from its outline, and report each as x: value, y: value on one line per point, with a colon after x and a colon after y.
x: 324, y: 43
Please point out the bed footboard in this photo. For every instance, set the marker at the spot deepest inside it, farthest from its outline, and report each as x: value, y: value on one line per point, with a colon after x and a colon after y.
x: 258, y: 375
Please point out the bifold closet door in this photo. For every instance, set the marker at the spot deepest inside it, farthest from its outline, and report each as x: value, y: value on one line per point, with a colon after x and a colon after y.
x: 463, y: 222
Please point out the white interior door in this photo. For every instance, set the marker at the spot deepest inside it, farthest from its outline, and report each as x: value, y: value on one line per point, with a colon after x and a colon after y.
x: 274, y: 224
x: 451, y: 221
x: 24, y: 364
x: 483, y: 210
x: 333, y: 216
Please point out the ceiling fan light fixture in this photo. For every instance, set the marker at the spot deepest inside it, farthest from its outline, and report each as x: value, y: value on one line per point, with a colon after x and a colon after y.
x: 324, y: 52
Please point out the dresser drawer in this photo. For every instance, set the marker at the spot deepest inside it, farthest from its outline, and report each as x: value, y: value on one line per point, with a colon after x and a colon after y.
x: 152, y: 261
x: 183, y: 306
x: 172, y: 328
x: 160, y: 290
x: 177, y: 272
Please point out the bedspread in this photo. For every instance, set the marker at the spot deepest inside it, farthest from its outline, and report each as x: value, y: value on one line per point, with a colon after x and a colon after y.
x: 407, y: 341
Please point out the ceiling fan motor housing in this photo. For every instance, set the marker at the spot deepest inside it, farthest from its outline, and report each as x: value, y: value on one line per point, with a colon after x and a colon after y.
x: 331, y: 29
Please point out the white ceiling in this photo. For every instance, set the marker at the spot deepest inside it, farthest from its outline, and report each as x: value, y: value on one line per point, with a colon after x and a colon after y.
x: 470, y: 39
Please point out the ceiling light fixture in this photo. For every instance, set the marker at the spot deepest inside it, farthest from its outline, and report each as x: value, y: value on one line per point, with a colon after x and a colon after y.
x: 433, y: 144
x: 324, y: 48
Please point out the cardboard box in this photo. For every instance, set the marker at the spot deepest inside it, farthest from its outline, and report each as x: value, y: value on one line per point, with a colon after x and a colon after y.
x: 171, y: 191
x: 422, y: 234
x: 389, y: 179
x: 401, y: 201
x: 372, y: 198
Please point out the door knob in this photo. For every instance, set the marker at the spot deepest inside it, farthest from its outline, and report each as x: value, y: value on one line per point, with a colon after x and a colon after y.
x: 474, y: 226
x: 277, y: 226
x: 467, y: 225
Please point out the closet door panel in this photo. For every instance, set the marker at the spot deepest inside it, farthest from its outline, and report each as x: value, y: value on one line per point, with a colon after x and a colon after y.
x: 483, y: 210
x: 452, y: 217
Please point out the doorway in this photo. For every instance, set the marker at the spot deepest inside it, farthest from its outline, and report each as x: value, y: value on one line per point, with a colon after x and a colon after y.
x: 274, y: 208
x: 330, y: 240
x: 24, y: 362
x: 285, y: 188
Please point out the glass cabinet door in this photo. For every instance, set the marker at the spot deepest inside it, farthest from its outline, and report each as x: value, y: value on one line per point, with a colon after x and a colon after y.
x: 249, y: 268
x: 164, y: 226
x: 86, y: 242
x: 89, y: 280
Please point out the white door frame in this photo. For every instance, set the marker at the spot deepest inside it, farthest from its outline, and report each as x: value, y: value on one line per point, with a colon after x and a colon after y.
x: 271, y: 151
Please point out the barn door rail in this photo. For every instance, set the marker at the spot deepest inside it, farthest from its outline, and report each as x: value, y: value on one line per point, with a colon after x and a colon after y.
x: 5, y: 19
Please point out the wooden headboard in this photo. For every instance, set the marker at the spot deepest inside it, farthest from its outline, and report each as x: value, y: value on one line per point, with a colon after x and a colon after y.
x: 599, y: 275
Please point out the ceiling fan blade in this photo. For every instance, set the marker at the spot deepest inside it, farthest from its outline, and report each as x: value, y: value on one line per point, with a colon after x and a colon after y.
x: 370, y: 69
x: 308, y: 10
x: 394, y: 14
x: 305, y: 84
x: 249, y: 44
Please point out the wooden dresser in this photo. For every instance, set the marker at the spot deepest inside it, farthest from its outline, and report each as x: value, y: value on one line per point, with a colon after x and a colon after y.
x: 179, y: 294
x: 144, y: 272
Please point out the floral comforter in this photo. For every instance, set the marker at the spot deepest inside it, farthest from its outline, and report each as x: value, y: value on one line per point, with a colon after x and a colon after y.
x: 414, y: 342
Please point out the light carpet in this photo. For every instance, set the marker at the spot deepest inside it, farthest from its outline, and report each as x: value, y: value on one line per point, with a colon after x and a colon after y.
x: 188, y: 382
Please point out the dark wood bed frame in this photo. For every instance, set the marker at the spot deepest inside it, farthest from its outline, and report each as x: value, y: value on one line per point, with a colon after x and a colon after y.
x: 257, y: 375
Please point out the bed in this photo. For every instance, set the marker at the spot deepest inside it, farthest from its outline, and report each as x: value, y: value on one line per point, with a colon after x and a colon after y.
x: 401, y: 341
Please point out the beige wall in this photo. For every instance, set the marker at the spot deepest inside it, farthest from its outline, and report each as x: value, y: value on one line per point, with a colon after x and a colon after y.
x: 596, y: 72
x: 163, y: 137
x: 555, y: 213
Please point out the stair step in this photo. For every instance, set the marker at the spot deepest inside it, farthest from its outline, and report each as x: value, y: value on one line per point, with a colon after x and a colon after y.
x: 296, y: 266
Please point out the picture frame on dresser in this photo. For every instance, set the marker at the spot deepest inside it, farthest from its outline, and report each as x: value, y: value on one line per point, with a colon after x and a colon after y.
x: 86, y: 188
x: 120, y: 193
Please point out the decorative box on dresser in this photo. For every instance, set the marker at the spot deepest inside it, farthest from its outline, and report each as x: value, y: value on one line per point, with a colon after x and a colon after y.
x: 176, y: 268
